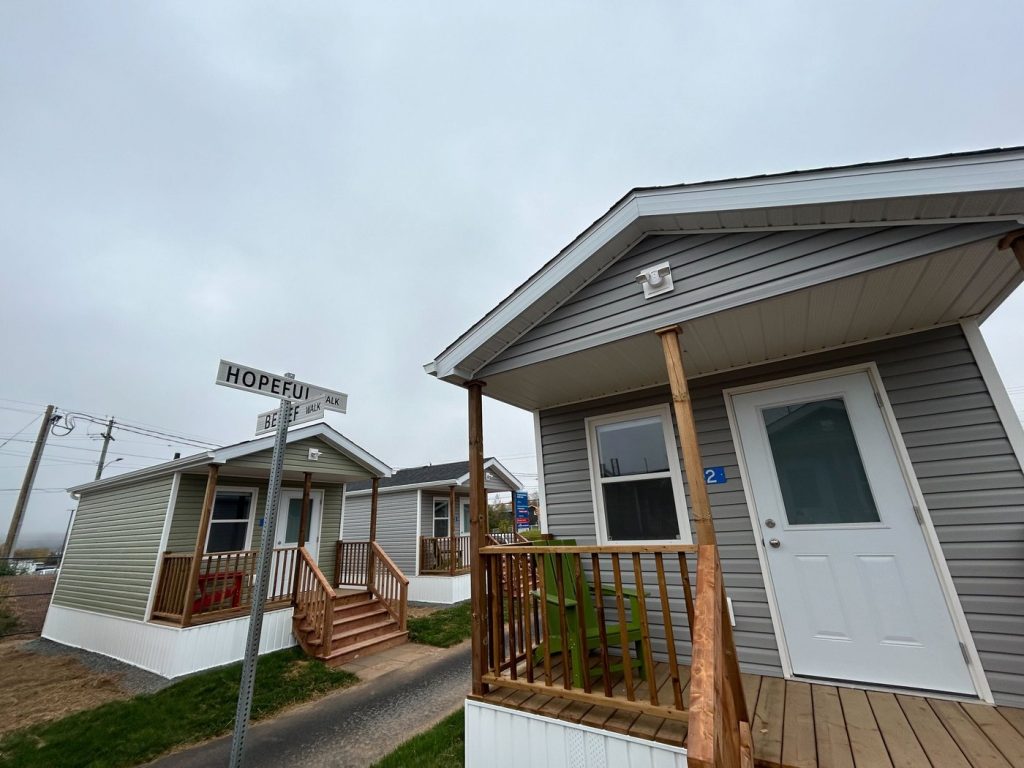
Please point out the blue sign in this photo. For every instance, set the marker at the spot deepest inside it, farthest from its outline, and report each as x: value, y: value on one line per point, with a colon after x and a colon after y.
x: 521, y: 505
x: 714, y: 475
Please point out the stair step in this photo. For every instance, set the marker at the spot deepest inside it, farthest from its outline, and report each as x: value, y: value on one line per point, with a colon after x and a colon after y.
x: 346, y: 622
x: 353, y: 598
x: 365, y: 648
x: 359, y: 634
x: 356, y: 609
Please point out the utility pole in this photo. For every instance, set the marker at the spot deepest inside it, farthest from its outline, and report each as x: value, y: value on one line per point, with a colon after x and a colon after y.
x: 103, y: 453
x: 26, y: 485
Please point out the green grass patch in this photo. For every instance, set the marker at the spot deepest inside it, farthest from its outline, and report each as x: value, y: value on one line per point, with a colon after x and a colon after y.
x: 200, y: 707
x: 443, y: 746
x: 443, y: 628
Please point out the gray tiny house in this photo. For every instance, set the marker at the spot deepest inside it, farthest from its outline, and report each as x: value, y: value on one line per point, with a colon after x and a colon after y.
x: 159, y: 566
x: 806, y: 347
x: 423, y: 523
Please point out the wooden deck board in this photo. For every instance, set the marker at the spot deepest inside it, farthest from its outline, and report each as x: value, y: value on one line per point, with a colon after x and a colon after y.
x: 798, y: 724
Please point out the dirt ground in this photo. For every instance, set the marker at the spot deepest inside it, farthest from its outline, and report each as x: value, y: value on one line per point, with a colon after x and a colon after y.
x: 422, y: 609
x: 35, y: 688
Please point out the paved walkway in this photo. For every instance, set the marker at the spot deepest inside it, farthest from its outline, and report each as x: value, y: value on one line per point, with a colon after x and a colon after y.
x: 405, y: 690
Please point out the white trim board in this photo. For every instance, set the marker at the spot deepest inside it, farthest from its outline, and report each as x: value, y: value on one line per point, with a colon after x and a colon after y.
x: 164, y: 535
x: 945, y: 579
x: 539, y: 457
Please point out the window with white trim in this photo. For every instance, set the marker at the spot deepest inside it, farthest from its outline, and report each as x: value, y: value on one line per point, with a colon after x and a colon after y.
x: 230, y: 521
x: 440, y: 517
x: 637, y: 482
x: 464, y: 517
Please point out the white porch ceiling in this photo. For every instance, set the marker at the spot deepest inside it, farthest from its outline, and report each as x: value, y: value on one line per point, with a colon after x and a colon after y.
x: 930, y: 291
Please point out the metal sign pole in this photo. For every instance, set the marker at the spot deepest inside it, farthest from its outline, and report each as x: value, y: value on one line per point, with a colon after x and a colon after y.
x: 259, y: 598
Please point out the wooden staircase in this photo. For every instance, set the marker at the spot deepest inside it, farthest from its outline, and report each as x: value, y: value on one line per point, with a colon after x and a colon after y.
x: 338, y: 626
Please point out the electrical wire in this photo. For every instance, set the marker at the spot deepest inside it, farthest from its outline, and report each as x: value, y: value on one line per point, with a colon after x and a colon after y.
x: 5, y: 442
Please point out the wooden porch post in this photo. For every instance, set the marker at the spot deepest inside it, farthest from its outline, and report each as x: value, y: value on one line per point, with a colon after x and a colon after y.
x: 692, y: 461
x: 694, y: 466
x: 451, y: 530
x: 304, y: 521
x: 477, y: 513
x: 200, y: 550
x: 1014, y: 240
x: 373, y: 531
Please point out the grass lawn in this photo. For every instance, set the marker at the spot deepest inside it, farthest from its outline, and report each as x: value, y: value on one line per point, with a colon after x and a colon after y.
x: 443, y: 628
x: 443, y: 746
x: 126, y: 733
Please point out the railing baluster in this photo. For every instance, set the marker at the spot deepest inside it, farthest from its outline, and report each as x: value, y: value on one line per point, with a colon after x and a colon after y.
x: 670, y: 638
x: 684, y: 571
x: 562, y: 624
x: 543, y: 600
x: 526, y: 599
x: 645, y: 639
x: 513, y: 648
x: 627, y: 663
x: 606, y: 673
x: 581, y: 621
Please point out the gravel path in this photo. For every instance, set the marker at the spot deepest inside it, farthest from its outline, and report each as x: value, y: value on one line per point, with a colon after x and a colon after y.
x: 131, y: 680
x: 352, y: 728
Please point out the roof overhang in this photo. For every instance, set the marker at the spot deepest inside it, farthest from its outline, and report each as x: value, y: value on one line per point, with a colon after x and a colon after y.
x: 508, y: 482
x: 985, y: 186
x: 221, y: 456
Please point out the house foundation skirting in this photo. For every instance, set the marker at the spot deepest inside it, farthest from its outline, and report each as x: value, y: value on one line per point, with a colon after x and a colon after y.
x: 168, y: 651
x: 507, y: 738
x: 439, y: 589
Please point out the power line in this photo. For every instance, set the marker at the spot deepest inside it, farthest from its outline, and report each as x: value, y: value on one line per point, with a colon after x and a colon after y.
x: 5, y: 442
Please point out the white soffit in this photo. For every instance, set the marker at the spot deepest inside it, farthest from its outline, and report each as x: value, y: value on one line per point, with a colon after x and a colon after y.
x: 973, y: 186
x: 914, y: 295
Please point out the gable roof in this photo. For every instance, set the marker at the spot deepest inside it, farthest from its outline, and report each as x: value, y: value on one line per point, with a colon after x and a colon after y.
x: 985, y: 185
x: 452, y: 473
x: 222, y: 455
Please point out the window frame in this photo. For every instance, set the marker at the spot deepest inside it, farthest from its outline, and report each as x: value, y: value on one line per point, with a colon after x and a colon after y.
x: 675, y: 473
x: 433, y: 524
x: 250, y: 521
x: 464, y: 516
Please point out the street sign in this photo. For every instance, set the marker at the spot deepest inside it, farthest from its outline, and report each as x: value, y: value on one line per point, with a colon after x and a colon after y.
x: 272, y: 385
x: 310, y: 410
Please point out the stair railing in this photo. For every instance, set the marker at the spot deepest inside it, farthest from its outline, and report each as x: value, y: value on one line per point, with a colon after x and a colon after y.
x: 389, y: 585
x: 719, y: 731
x: 314, y: 601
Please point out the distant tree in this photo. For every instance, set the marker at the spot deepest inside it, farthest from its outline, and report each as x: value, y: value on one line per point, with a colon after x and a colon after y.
x: 32, y: 553
x: 500, y: 517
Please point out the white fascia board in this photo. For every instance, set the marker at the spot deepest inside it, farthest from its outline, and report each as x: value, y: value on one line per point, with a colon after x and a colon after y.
x: 513, y: 482
x: 407, y: 487
x: 166, y: 468
x: 977, y: 172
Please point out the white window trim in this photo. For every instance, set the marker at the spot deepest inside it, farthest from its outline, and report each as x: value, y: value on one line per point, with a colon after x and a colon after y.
x: 434, y: 518
x: 675, y: 471
x: 463, y: 517
x: 315, y: 493
x: 252, y: 512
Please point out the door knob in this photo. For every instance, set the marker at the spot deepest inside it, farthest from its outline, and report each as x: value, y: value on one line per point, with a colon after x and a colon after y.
x: 774, y: 543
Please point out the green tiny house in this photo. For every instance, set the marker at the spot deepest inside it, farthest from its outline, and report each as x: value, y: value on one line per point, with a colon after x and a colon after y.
x: 160, y: 563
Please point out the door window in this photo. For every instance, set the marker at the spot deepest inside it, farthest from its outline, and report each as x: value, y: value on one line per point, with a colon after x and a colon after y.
x: 291, y: 532
x: 818, y: 465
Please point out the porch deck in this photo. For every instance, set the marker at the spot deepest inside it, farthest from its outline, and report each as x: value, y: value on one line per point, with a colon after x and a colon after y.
x: 808, y: 725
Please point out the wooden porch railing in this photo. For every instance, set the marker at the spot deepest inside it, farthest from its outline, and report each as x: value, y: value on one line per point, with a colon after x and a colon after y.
x: 314, y: 602
x: 574, y: 621
x: 436, y: 555
x: 389, y: 585
x: 719, y: 735
x: 351, y: 562
x: 224, y: 585
x: 501, y: 539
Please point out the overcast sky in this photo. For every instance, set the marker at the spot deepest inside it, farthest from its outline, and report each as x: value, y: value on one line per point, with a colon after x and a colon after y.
x: 340, y: 190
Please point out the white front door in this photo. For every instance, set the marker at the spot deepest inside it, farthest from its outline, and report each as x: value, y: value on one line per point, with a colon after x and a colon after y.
x: 288, y: 520
x: 857, y: 592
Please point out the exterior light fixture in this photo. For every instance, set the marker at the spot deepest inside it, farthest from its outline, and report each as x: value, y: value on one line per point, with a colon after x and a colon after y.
x: 656, y: 280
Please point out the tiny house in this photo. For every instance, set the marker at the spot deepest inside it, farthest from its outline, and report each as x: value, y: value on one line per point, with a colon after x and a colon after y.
x: 783, y: 472
x: 423, y: 523
x: 159, y: 565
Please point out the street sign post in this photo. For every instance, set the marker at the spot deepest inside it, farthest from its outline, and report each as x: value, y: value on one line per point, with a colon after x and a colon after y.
x: 270, y: 384
x: 309, y: 410
x: 312, y: 402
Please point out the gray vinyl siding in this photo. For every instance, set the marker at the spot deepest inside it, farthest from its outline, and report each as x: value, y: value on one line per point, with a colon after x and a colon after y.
x: 427, y: 512
x: 971, y: 480
x: 189, y: 506
x: 396, y: 525
x: 296, y: 459
x: 112, y: 550
x: 714, y: 272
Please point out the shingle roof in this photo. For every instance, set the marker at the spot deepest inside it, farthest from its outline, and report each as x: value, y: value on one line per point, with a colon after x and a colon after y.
x: 431, y: 473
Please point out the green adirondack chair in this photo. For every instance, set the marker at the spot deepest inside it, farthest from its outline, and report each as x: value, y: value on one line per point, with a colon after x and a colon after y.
x: 575, y: 604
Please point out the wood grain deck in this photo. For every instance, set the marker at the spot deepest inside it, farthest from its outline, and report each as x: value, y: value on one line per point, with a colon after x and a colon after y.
x: 811, y: 725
